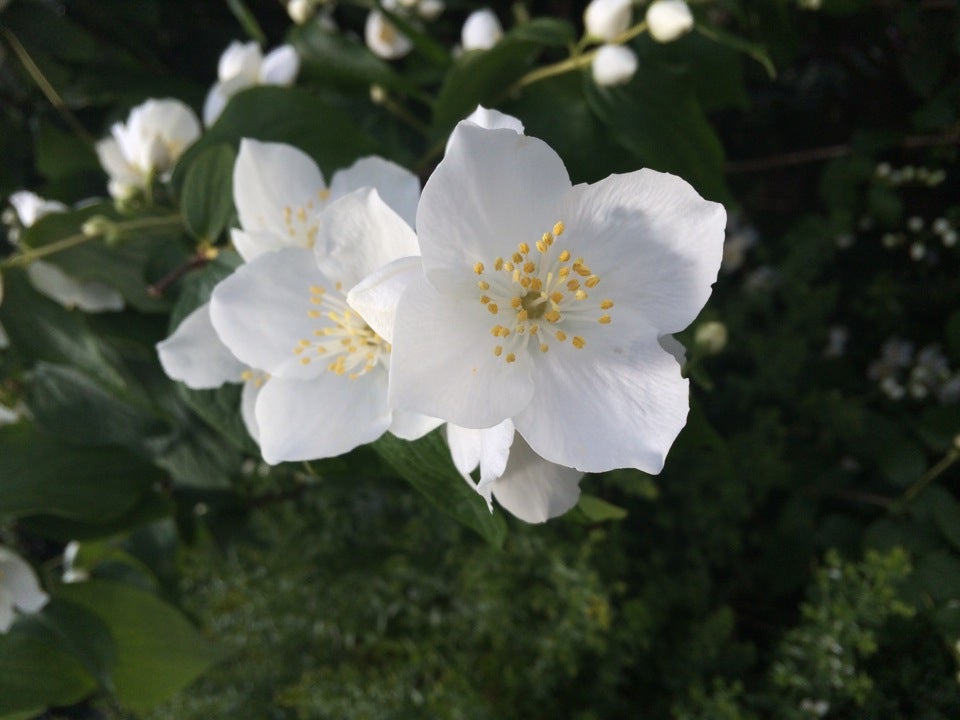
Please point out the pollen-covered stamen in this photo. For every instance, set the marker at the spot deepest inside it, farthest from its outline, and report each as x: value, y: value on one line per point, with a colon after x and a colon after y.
x: 540, y: 287
x: 343, y: 341
x: 301, y: 222
x: 257, y: 377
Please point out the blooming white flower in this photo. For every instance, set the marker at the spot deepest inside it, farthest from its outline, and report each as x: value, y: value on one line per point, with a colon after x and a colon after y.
x: 605, y: 19
x: 244, y: 65
x: 667, y: 20
x: 147, y: 145
x: 286, y: 312
x: 47, y: 278
x: 613, y: 65
x: 383, y: 38
x: 544, y: 303
x: 280, y: 195
x: 481, y: 30
x: 19, y: 588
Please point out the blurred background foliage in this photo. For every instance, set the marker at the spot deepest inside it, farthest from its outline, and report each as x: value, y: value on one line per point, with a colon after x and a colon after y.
x: 799, y: 557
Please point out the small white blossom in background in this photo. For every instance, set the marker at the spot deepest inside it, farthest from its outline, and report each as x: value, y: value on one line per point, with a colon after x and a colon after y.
x: 481, y: 30
x: 711, y: 337
x: 668, y: 20
x: 147, y: 145
x: 430, y: 10
x: 50, y: 280
x: 301, y: 11
x: 606, y: 19
x: 383, y: 38
x: 613, y: 65
x: 243, y: 65
x: 72, y: 572
x: 837, y: 338
x: 809, y: 4
x: 740, y: 238
x: 19, y: 588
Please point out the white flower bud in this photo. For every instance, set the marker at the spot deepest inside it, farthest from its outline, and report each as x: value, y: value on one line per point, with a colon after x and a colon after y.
x: 383, y: 38
x: 711, y: 337
x: 605, y: 19
x: 430, y: 10
x: 613, y: 65
x: 481, y: 31
x: 669, y: 19
x: 300, y: 11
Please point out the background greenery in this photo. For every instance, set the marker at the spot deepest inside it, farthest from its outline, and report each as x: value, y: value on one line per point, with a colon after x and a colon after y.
x: 799, y: 557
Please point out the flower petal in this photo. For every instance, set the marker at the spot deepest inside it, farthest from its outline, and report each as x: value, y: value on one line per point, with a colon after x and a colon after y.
x: 533, y: 489
x: 398, y: 187
x: 442, y: 363
x: 358, y: 235
x: 322, y: 417
x: 20, y: 583
x: 653, y: 242
x: 253, y: 244
x: 248, y: 406
x: 376, y: 296
x: 196, y: 356
x: 115, y: 164
x: 261, y: 311
x: 493, y: 190
x: 412, y: 426
x: 89, y: 296
x: 601, y: 408
x: 214, y: 104
x: 272, y: 182
x: 280, y: 66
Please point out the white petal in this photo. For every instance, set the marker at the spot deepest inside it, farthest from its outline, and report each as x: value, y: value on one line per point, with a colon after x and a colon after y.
x: 322, y: 417
x: 383, y: 38
x: 248, y: 404
x: 20, y: 582
x: 443, y: 364
x: 31, y: 207
x: 495, y: 444
x: 653, y: 242
x: 398, y: 187
x: 8, y: 416
x: 613, y: 65
x: 250, y: 245
x: 115, y: 164
x: 240, y: 60
x: 376, y: 297
x: 272, y: 183
x: 533, y: 489
x: 601, y: 408
x: 669, y: 19
x: 494, y: 120
x: 481, y: 30
x: 196, y: 356
x: 493, y: 190
x: 674, y: 347
x: 359, y: 234
x: 4, y: 338
x: 214, y: 104
x: 280, y: 66
x: 605, y: 19
x: 465, y: 448
x: 89, y: 296
x: 261, y: 311
x: 412, y: 426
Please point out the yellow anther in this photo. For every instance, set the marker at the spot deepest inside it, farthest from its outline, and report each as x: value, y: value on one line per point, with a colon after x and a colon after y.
x: 564, y: 256
x: 521, y: 315
x: 558, y: 229
x: 246, y: 375
x: 542, y: 246
x: 510, y: 357
x: 573, y: 285
x: 478, y: 268
x: 316, y: 301
x: 517, y: 258
x: 304, y: 361
x: 606, y: 304
x: 583, y: 271
x: 339, y: 285
x: 534, y: 329
x: 580, y: 295
x: 353, y: 376
x: 508, y: 266
x: 561, y: 335
x: 578, y: 342
x: 536, y: 284
x: 556, y: 297
x: 592, y: 281
x: 544, y: 347
x: 484, y: 299
x: 516, y: 302
x: 320, y: 350
x: 323, y: 193
x: 498, y: 264
x: 498, y: 350
x: 492, y: 307
x: 551, y: 316
x: 563, y: 272
x: 297, y: 350
x: 529, y: 267
x: 483, y: 285
x: 604, y: 320
x: 523, y: 248
x: 302, y: 215
x: 319, y: 333
x: 304, y: 343
x: 525, y: 282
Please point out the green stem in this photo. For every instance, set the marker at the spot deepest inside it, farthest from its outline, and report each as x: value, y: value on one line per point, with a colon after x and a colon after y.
x: 932, y: 474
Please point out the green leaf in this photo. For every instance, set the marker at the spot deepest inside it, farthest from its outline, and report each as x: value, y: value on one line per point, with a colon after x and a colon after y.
x: 546, y: 31
x: 34, y: 675
x: 939, y: 574
x: 43, y: 476
x: 158, y: 651
x: 426, y: 465
x: 952, y: 335
x: 66, y: 402
x: 60, y: 154
x: 287, y: 115
x: 206, y: 198
x: 591, y: 509
x: 657, y: 118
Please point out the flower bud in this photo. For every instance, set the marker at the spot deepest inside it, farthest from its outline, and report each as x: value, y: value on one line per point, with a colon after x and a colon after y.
x: 300, y: 11
x: 613, y: 65
x: 96, y: 226
x: 711, y: 337
x: 378, y: 95
x: 383, y: 38
x: 669, y: 19
x: 430, y: 10
x: 605, y: 19
x: 481, y: 31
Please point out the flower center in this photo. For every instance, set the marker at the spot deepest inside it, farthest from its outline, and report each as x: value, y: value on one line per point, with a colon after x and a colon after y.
x: 540, y: 294
x: 344, y: 341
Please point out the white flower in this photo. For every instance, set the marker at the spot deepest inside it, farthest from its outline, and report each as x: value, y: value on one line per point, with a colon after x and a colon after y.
x: 605, y: 19
x: 286, y: 312
x: 72, y: 572
x: 544, y: 303
x: 711, y: 337
x: 481, y: 30
x: 430, y: 10
x: 147, y: 145
x: 19, y: 588
x: 669, y: 19
x: 243, y: 65
x: 47, y: 278
x: 383, y: 38
x: 613, y: 65
x: 300, y: 11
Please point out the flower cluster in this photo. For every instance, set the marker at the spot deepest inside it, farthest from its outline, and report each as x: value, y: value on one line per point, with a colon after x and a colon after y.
x: 525, y: 312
